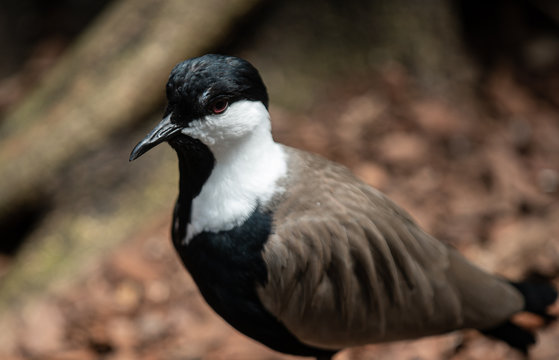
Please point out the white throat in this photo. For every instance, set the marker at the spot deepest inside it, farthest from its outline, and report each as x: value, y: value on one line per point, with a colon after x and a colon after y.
x: 247, y: 168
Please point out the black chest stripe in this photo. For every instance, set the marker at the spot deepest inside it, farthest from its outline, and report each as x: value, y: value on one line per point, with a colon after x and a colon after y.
x: 227, y: 266
x: 196, y: 163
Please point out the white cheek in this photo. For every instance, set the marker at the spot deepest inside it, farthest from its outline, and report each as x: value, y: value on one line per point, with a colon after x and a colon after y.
x: 238, y: 120
x: 201, y: 130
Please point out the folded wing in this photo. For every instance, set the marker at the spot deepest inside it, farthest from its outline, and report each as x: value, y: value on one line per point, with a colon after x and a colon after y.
x: 346, y: 266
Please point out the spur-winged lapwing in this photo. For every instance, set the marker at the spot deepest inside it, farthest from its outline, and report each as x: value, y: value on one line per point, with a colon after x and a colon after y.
x: 294, y: 251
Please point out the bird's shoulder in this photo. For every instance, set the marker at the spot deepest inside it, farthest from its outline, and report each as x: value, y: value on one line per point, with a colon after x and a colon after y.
x: 315, y: 184
x: 342, y: 252
x: 320, y: 194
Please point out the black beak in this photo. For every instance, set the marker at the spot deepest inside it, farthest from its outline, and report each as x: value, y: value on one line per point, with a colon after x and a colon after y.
x: 164, y: 131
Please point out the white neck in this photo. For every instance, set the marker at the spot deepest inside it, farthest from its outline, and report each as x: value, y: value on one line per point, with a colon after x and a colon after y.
x: 245, y: 175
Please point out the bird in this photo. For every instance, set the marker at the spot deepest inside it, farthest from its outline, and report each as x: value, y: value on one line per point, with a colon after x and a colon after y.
x: 296, y: 252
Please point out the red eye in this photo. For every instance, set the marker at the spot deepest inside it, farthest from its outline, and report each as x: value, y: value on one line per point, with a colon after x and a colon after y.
x: 219, y: 106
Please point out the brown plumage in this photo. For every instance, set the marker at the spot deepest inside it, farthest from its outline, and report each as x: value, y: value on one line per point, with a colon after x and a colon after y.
x: 346, y: 266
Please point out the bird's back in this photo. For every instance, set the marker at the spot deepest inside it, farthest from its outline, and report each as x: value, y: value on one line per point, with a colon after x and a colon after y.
x: 346, y: 266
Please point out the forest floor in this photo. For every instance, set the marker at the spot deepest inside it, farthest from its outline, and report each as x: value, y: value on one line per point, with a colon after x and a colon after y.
x: 481, y: 175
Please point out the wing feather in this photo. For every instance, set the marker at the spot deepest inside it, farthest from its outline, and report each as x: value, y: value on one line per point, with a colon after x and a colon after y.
x: 346, y: 266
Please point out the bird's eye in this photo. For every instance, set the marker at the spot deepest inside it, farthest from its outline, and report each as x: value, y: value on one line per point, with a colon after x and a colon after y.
x: 219, y: 106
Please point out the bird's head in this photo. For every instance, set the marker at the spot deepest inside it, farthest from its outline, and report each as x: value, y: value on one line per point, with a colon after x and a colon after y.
x: 215, y: 99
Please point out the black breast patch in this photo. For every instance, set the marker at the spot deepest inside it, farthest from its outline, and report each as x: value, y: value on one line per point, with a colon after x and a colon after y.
x: 227, y: 266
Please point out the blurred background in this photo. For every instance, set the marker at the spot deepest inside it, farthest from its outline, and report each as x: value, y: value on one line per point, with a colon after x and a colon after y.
x: 449, y: 107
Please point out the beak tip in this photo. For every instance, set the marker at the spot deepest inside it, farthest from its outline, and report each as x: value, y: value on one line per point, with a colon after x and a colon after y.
x: 136, y: 153
x: 162, y: 132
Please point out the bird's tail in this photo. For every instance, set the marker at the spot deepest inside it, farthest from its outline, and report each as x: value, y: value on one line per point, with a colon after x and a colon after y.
x: 538, y: 296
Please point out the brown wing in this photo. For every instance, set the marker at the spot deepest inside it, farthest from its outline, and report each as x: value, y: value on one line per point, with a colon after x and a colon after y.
x: 346, y: 267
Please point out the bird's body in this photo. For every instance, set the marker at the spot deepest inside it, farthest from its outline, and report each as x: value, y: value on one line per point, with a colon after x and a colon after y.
x: 293, y: 250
